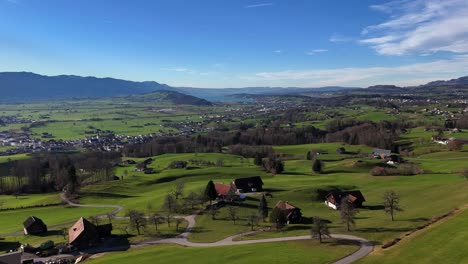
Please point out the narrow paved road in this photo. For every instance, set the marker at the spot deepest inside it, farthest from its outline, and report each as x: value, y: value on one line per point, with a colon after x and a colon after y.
x: 365, y: 245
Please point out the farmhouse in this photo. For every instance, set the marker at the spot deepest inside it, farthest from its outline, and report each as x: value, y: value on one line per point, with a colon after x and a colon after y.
x: 333, y: 199
x: 251, y: 184
x: 34, y: 225
x: 293, y: 213
x: 381, y: 153
x: 84, y: 234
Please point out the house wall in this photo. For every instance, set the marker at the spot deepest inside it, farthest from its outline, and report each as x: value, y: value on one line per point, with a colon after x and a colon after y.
x: 327, y: 203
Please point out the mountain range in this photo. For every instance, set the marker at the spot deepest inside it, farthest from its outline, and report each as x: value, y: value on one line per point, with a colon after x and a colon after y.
x: 27, y: 85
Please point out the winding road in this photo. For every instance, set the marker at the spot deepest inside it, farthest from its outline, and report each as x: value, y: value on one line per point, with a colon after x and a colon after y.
x: 366, y: 246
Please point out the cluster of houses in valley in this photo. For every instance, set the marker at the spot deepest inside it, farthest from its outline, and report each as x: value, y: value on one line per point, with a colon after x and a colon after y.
x: 239, y: 187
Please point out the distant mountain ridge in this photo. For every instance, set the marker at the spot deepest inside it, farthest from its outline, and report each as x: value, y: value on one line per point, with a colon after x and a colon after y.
x: 27, y: 85
x: 459, y: 81
x: 166, y: 96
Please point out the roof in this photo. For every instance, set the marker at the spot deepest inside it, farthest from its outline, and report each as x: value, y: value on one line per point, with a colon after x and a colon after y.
x: 222, y: 189
x: 257, y: 180
x: 379, y: 152
x: 284, y: 205
x: 31, y: 220
x: 78, y: 228
x: 351, y: 195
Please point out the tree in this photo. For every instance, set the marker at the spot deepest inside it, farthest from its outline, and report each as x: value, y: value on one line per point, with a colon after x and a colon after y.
x: 109, y: 217
x: 317, y: 166
x: 319, y: 229
x: 179, y: 189
x: 210, y: 192
x: 347, y: 213
x: 220, y: 162
x: 273, y: 165
x: 169, y: 205
x: 137, y: 220
x: 214, y: 211
x: 463, y: 173
x: 232, y: 212
x: 263, y: 208
x: 94, y: 219
x: 455, y: 145
x: 252, y: 221
x: 191, y: 200
x: 178, y: 222
x: 64, y: 233
x: 156, y: 219
x: 258, y: 159
x: 392, y: 203
x: 73, y: 185
x: 278, y: 218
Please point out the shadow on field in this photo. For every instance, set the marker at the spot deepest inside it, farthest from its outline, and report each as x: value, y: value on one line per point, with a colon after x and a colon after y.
x: 374, y: 207
x: 8, y: 245
x: 310, y: 220
x: 382, y: 229
x: 419, y: 219
x: 198, y: 230
x: 108, y: 195
x: 50, y: 233
x: 341, y: 242
x: 273, y: 190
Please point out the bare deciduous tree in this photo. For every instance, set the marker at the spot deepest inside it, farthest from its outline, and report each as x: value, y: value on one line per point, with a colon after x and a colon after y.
x: 347, y: 213
x: 137, y: 220
x: 319, y: 229
x: 392, y: 203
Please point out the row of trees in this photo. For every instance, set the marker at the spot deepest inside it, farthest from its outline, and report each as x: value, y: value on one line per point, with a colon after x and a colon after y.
x: 249, y: 142
x: 56, y: 172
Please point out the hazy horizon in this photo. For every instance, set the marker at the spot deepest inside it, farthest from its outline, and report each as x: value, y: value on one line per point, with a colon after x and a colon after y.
x: 213, y: 44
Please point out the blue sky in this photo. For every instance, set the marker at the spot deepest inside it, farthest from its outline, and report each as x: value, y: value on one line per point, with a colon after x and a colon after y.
x: 222, y: 43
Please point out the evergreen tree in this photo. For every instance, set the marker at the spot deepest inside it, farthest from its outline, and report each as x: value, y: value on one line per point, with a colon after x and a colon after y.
x: 263, y: 208
x: 317, y: 166
x: 258, y: 159
x: 210, y: 192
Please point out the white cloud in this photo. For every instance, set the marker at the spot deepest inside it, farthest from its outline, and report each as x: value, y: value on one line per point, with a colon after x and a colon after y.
x: 401, y: 75
x: 315, y: 51
x: 259, y: 5
x: 177, y: 69
x: 339, y: 38
x: 420, y: 26
x: 278, y: 51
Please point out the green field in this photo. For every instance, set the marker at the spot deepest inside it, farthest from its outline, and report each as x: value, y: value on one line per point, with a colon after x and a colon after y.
x: 290, y: 252
x: 12, y: 220
x: 442, y: 243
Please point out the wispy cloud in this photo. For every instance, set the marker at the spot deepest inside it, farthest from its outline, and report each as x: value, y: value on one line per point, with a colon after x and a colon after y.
x: 339, y: 38
x: 15, y: 2
x: 420, y: 27
x: 259, y: 5
x: 405, y: 74
x: 278, y: 51
x: 176, y: 69
x: 315, y: 51
x: 187, y: 71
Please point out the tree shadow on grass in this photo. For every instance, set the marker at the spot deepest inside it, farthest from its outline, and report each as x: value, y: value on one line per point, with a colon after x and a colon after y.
x: 109, y: 195
x: 382, y: 229
x: 374, y: 207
